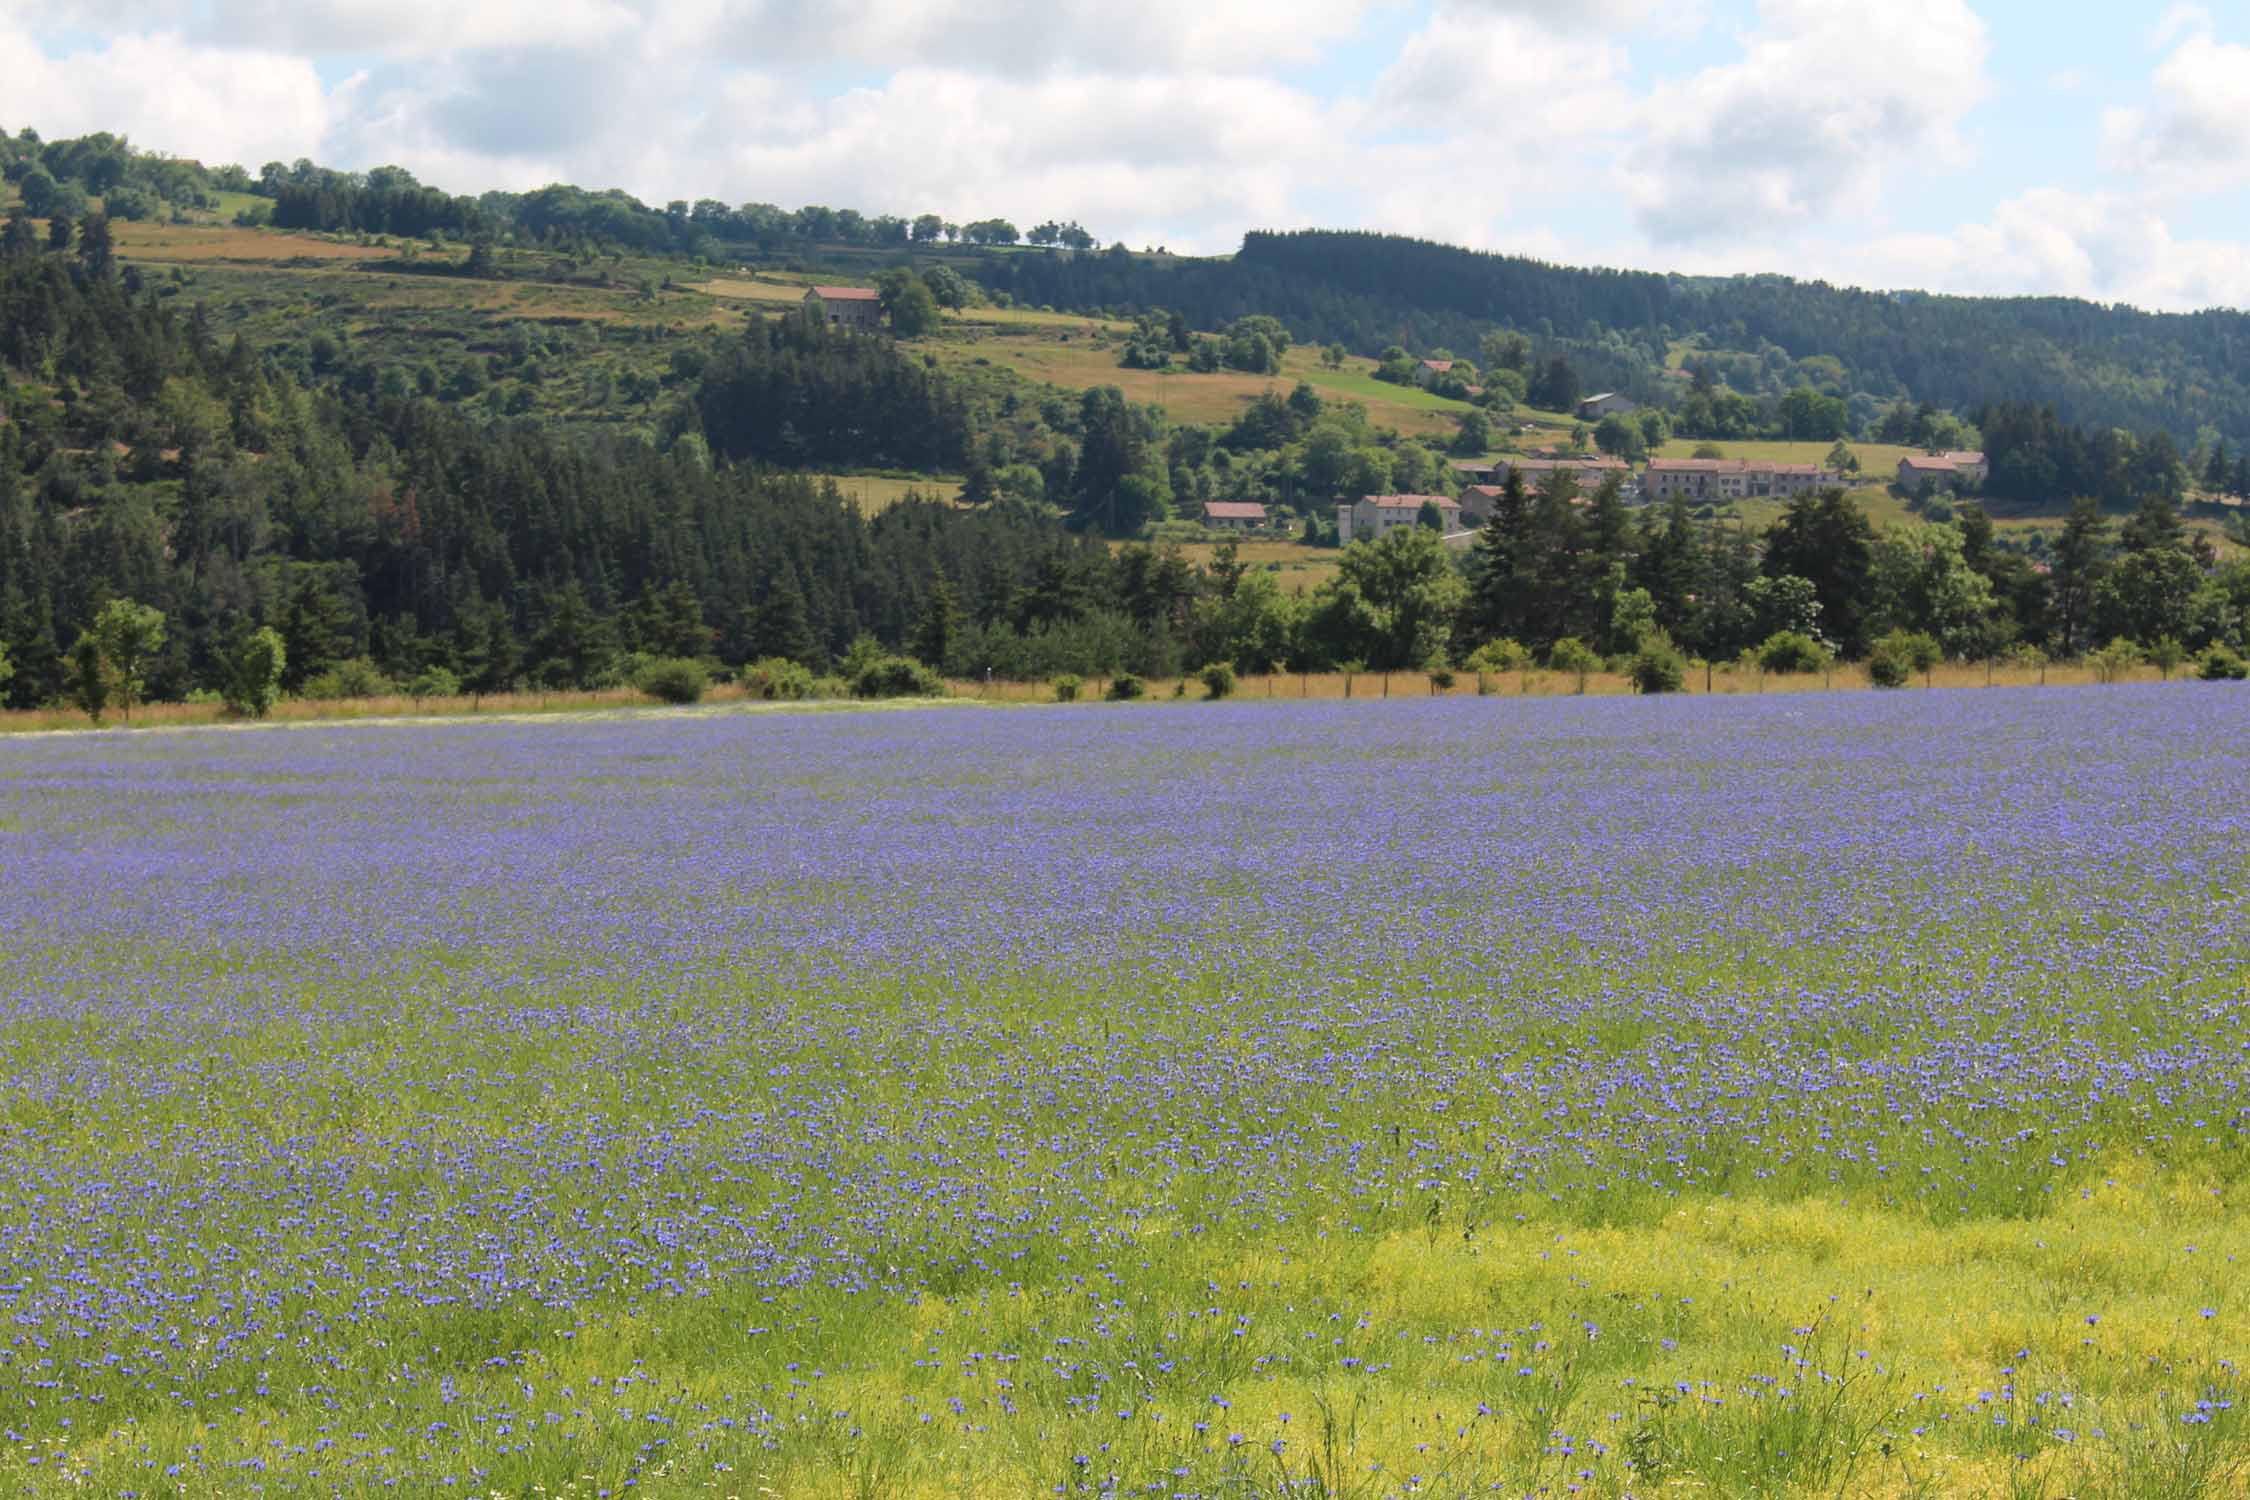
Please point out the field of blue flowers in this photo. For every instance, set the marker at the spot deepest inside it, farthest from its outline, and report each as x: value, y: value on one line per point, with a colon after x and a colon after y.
x: 1804, y: 1095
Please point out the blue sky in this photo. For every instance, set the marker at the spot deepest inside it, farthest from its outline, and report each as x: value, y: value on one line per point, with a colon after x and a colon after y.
x: 1969, y: 145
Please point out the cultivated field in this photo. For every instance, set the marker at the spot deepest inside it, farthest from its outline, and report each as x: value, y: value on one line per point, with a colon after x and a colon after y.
x: 1799, y: 1096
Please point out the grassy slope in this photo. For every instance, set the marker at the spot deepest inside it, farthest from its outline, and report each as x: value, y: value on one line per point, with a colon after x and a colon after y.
x: 596, y: 324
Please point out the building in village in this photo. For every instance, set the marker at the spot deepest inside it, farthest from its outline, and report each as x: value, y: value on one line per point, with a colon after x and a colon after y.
x: 1720, y: 479
x: 1373, y: 517
x: 1941, y: 471
x: 1234, y: 515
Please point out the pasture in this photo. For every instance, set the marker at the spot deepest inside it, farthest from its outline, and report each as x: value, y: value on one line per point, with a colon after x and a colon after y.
x: 1806, y: 1095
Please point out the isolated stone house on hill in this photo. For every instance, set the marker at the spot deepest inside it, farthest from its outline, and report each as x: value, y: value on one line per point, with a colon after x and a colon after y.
x: 848, y: 306
x: 1956, y: 471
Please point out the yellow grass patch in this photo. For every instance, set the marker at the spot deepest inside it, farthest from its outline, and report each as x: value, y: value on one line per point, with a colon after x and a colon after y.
x: 191, y: 244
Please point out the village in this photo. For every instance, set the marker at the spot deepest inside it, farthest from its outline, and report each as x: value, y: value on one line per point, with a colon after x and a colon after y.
x: 1698, y: 481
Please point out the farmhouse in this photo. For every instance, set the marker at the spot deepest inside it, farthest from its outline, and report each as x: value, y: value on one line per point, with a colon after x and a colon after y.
x: 848, y: 306
x: 1427, y: 372
x: 1234, y: 515
x: 1594, y: 408
x: 1372, y: 517
x: 1955, y: 471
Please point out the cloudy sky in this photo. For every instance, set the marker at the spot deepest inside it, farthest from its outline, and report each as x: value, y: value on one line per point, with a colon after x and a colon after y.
x: 2071, y: 146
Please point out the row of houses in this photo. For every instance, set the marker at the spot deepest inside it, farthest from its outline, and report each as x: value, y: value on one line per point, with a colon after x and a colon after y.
x: 1698, y: 479
x: 1714, y: 479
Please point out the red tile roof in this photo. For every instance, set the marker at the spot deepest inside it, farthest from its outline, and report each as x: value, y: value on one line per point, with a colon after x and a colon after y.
x: 1234, y: 510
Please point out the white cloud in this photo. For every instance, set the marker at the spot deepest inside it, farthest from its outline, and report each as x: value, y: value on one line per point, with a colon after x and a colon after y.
x: 167, y: 94
x: 1829, y: 96
x: 2180, y: 20
x: 2103, y: 246
x: 1184, y: 159
x: 1502, y: 124
x: 2196, y: 135
x: 1475, y: 68
x: 1000, y: 36
x: 1593, y: 15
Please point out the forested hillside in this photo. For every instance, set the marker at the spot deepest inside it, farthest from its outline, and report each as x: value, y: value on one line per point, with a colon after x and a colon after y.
x: 539, y: 460
x: 2094, y: 365
x: 140, y: 458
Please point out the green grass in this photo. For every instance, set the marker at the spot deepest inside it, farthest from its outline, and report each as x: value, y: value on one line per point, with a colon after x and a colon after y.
x: 879, y: 492
x: 1360, y: 385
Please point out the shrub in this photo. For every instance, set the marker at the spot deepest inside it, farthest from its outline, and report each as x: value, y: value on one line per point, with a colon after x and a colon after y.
x: 1572, y: 655
x: 2221, y: 665
x: 253, y: 674
x: 434, y: 682
x: 357, y: 678
x: 1441, y: 679
x: 1218, y: 680
x: 1125, y: 687
x: 1498, y: 656
x: 2166, y: 654
x: 1792, y: 651
x: 1899, y: 655
x: 777, y: 679
x: 1920, y: 652
x: 2114, y: 660
x: 674, y: 679
x: 897, y: 677
x: 1657, y: 668
x: 1067, y: 687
